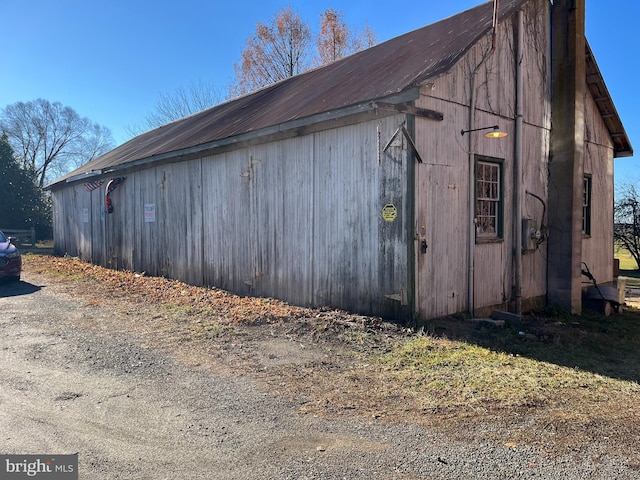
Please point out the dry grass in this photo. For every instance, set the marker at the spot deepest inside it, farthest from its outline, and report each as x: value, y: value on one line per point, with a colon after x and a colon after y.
x: 577, y: 374
x: 456, y: 374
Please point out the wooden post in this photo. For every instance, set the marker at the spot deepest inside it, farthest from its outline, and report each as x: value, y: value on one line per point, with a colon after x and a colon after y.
x: 566, y: 165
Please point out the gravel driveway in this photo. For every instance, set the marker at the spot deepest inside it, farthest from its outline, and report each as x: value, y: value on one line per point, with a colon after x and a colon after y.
x: 81, y: 376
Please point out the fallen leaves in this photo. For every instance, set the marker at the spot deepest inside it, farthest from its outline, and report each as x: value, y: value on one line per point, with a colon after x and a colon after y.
x: 361, y: 366
x: 203, y: 301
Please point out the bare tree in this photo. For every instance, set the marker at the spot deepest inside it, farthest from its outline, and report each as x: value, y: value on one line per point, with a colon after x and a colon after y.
x: 279, y: 49
x: 283, y: 48
x: 50, y: 139
x: 337, y: 40
x: 363, y: 39
x: 626, y: 231
x: 333, y: 40
x: 180, y: 103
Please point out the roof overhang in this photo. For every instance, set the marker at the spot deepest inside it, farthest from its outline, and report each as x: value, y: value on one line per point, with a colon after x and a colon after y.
x: 595, y: 83
x: 288, y: 129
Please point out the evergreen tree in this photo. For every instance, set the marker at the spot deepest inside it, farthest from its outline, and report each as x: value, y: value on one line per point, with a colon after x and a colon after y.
x: 22, y: 203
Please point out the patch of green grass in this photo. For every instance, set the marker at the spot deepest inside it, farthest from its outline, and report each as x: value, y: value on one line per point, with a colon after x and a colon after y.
x: 628, y: 267
x: 522, y: 365
x: 627, y: 262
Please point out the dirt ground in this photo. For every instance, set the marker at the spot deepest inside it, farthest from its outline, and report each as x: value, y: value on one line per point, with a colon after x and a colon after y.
x: 142, y: 391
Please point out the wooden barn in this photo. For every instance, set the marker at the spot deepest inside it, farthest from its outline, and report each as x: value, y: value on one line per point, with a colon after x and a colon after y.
x: 369, y: 184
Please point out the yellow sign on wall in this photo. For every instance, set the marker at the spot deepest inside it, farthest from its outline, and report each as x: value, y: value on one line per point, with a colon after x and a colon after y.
x: 389, y: 212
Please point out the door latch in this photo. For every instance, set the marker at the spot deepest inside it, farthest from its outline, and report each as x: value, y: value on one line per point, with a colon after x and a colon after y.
x: 422, y: 236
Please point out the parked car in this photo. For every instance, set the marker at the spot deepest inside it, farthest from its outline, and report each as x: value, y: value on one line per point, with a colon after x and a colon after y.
x: 10, y: 259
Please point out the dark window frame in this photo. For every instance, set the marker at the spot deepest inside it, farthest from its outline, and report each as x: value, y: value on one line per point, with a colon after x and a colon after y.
x: 489, y: 199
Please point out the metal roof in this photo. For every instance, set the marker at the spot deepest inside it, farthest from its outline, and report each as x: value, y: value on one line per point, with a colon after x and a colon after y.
x: 395, y: 66
x: 600, y: 93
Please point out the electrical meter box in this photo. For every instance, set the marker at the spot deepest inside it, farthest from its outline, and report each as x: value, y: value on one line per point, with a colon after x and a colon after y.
x: 530, y: 234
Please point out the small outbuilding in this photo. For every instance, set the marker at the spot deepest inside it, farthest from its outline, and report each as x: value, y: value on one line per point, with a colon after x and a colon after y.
x: 369, y: 184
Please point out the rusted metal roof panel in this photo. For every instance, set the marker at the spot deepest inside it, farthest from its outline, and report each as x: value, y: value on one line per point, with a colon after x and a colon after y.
x: 389, y: 68
x: 392, y: 67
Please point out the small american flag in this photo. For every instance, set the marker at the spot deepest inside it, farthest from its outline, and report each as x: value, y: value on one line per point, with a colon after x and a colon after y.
x: 93, y: 185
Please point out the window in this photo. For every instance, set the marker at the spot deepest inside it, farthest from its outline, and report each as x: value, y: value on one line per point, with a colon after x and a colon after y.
x: 586, y: 205
x: 488, y: 199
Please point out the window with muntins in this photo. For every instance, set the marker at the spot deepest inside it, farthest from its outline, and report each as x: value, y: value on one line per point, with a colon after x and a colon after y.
x: 488, y: 200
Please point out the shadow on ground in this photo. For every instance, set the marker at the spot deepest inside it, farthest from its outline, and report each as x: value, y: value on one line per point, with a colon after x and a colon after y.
x: 608, y: 346
x: 14, y: 288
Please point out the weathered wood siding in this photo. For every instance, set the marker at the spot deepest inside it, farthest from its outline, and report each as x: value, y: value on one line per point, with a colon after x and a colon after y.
x: 298, y: 219
x: 442, y: 186
x: 597, y: 248
x: 301, y: 218
x: 441, y: 212
x: 72, y: 222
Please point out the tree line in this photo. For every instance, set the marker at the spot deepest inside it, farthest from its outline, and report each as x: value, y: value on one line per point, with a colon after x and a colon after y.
x: 23, y: 203
x: 42, y: 140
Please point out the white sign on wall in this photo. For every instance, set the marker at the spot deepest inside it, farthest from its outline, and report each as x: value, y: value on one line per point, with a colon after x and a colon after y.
x: 149, y: 212
x: 85, y: 215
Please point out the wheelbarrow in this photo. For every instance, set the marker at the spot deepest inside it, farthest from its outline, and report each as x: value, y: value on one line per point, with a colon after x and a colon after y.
x: 602, y: 298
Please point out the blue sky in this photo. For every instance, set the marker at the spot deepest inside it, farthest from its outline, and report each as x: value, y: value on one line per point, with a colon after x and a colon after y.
x: 111, y: 59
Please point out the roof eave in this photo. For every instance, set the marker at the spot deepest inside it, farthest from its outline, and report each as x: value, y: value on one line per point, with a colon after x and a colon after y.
x: 83, y: 173
x: 600, y: 93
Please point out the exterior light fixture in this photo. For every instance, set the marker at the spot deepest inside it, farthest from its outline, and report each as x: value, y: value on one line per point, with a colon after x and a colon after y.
x: 495, y: 133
